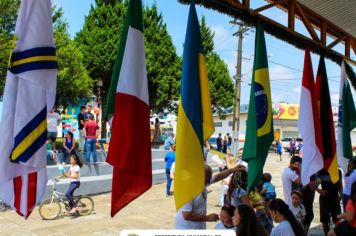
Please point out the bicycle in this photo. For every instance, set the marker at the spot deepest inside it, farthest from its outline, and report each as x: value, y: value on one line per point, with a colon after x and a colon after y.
x: 51, y: 208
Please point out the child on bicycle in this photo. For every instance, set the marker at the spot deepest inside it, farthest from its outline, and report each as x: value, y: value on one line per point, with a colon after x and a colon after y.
x: 74, y: 175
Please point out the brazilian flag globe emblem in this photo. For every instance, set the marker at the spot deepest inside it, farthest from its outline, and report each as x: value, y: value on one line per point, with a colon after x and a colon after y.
x: 259, y: 129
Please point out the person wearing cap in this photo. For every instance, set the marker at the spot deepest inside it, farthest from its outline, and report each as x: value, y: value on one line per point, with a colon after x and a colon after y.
x: 291, y: 178
x: 193, y: 215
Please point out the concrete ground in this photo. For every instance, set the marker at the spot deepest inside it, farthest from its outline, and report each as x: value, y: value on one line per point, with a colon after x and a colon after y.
x: 153, y: 210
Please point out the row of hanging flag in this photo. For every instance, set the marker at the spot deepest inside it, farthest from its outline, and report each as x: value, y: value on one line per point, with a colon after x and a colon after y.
x: 30, y: 94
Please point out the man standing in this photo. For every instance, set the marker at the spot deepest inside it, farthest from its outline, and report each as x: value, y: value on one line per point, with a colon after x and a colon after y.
x: 53, y: 120
x: 89, y: 112
x: 170, y: 158
x: 291, y: 179
x: 81, y: 123
x: 193, y: 215
x: 92, y: 130
x: 329, y: 200
x: 229, y: 141
x: 219, y: 143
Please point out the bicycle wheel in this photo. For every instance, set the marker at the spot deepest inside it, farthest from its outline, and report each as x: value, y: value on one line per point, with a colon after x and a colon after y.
x: 50, y: 210
x: 85, y: 205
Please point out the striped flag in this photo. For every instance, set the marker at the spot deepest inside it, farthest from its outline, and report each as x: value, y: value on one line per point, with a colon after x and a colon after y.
x: 309, y: 125
x: 29, y: 95
x: 326, y: 122
x: 195, y: 121
x: 128, y: 105
x: 259, y: 128
x: 346, y: 122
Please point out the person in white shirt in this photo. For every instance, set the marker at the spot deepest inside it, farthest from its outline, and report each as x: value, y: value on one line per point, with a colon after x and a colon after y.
x: 53, y: 120
x: 74, y: 175
x: 226, y: 214
x: 288, y: 224
x: 291, y: 179
x: 193, y: 215
x: 297, y: 207
x: 350, y: 178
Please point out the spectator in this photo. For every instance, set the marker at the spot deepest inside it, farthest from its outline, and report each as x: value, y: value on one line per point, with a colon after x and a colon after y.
x: 169, y: 142
x: 81, y: 123
x: 297, y: 207
x: 247, y: 222
x: 226, y: 214
x: 169, y: 159
x: 219, y: 143
x: 279, y: 149
x: 308, y: 192
x: 329, y: 200
x: 268, y: 190
x: 288, y: 224
x: 92, y: 129
x: 68, y: 146
x: 193, y: 215
x: 53, y: 120
x: 229, y: 141
x: 237, y: 192
x: 290, y: 178
x: 350, y: 178
x: 50, y: 154
x: 89, y: 113
x: 348, y: 226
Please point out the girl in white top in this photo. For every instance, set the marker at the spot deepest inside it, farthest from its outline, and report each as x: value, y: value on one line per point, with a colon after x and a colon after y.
x: 297, y: 206
x: 350, y: 177
x: 288, y: 224
x: 74, y: 175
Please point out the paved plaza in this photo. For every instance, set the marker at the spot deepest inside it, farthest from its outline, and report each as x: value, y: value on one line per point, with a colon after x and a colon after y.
x: 153, y: 210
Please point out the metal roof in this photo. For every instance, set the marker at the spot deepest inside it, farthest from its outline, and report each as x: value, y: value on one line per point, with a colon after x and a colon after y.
x: 342, y: 13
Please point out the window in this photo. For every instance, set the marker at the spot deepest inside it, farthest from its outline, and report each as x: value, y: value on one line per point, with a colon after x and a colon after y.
x: 218, y: 124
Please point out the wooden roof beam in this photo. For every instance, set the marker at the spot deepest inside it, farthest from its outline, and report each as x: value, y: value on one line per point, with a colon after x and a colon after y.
x: 257, y: 10
x: 307, y: 23
x: 291, y: 15
x: 338, y: 40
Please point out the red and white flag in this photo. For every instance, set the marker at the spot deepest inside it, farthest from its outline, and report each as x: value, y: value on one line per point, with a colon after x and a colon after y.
x: 130, y: 143
x: 29, y: 94
x: 309, y: 125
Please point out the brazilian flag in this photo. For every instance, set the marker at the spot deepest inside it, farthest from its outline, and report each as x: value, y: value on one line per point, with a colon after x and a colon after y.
x: 259, y: 130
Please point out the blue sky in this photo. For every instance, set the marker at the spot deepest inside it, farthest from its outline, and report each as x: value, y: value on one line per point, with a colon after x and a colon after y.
x: 285, y: 61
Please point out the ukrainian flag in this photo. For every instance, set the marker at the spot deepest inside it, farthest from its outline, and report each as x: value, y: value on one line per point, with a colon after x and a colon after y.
x: 195, y: 121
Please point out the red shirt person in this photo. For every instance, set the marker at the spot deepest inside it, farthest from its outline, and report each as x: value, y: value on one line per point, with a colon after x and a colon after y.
x: 92, y: 129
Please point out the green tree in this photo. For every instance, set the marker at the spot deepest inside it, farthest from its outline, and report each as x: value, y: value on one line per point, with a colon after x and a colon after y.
x: 221, y: 86
x: 163, y: 64
x: 8, y: 16
x: 73, y: 80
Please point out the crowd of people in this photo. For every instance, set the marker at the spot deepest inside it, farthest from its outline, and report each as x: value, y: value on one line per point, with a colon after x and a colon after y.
x: 88, y: 135
x: 253, y: 213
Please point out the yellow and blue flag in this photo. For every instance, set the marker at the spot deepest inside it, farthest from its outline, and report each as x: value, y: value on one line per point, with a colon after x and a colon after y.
x: 195, y: 121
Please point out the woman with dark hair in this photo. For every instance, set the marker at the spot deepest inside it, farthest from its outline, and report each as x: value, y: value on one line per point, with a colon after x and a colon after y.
x: 247, y: 222
x: 237, y: 191
x: 68, y: 146
x: 348, y: 226
x: 288, y: 224
x: 350, y: 177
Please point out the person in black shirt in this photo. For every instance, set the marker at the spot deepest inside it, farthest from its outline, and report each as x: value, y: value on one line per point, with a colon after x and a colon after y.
x: 81, y: 122
x: 330, y: 197
x: 219, y: 143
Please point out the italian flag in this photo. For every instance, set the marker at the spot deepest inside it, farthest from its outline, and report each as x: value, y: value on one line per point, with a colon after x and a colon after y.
x: 128, y: 107
x: 309, y: 125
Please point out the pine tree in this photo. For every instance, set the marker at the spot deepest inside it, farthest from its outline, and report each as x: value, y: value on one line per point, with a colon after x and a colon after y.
x: 163, y: 64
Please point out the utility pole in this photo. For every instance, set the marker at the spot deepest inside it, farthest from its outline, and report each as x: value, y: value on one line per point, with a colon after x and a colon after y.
x: 236, y: 115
